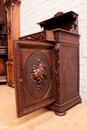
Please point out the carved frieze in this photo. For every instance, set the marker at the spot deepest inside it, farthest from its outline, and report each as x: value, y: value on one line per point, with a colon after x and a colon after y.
x: 36, y: 36
x: 35, y: 44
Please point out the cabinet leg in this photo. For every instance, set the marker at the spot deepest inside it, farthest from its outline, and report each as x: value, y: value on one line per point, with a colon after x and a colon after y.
x: 10, y: 84
x: 60, y: 113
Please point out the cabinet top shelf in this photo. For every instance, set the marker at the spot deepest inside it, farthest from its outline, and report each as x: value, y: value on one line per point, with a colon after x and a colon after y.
x: 67, y: 21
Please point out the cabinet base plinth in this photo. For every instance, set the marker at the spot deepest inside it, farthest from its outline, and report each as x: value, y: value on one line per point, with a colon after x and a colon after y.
x: 60, y: 109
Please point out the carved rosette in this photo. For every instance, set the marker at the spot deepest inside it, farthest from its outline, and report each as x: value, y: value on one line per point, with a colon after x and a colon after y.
x: 38, y: 74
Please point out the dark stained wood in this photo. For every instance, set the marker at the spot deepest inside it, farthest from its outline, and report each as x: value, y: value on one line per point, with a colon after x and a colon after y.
x: 67, y: 21
x: 33, y: 75
x: 46, y: 67
x: 66, y: 52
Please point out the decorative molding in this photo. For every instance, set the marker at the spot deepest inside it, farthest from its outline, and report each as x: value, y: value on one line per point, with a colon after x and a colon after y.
x: 39, y: 74
x: 35, y: 44
x: 19, y: 78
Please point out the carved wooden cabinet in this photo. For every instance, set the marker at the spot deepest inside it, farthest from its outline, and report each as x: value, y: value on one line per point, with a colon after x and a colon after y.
x: 3, y: 43
x: 13, y: 25
x: 46, y: 66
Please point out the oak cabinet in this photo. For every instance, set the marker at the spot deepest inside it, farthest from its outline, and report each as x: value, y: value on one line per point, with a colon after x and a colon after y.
x: 46, y: 66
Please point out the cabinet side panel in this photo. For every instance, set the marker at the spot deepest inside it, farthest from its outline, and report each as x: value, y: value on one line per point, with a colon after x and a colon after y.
x: 69, y: 77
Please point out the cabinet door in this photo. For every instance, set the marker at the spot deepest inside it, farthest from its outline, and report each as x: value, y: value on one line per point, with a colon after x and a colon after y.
x: 33, y: 75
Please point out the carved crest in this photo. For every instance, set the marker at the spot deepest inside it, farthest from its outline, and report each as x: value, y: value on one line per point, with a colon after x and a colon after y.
x: 58, y: 13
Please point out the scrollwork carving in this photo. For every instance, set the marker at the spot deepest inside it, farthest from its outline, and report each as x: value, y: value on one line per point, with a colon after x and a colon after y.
x: 38, y: 74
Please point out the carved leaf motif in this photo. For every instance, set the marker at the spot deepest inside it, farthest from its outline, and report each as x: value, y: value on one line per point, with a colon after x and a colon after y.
x: 38, y: 74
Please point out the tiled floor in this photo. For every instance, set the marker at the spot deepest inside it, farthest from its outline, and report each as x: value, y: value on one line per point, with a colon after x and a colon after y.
x: 43, y: 119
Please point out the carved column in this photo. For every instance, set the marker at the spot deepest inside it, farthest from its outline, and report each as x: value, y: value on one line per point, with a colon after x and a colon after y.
x: 13, y: 24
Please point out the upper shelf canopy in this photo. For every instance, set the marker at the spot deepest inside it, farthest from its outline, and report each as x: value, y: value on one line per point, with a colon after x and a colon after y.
x: 67, y: 21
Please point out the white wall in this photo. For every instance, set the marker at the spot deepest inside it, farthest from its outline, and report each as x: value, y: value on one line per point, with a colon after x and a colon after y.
x: 34, y: 11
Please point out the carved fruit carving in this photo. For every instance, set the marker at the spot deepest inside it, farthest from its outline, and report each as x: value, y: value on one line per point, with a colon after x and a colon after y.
x: 38, y: 74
